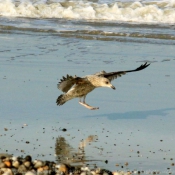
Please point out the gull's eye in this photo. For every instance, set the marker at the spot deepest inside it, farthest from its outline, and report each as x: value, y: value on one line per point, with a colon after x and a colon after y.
x: 107, y: 82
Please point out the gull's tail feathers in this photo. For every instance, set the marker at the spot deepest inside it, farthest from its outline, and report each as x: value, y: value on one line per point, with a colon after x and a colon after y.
x: 63, y: 98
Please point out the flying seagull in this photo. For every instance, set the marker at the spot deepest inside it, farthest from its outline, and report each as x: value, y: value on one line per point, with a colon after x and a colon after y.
x: 74, y: 87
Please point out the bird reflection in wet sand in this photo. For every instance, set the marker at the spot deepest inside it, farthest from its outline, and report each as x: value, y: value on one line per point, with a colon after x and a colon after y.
x: 63, y: 150
x: 71, y: 161
x: 65, y: 153
x: 79, y: 87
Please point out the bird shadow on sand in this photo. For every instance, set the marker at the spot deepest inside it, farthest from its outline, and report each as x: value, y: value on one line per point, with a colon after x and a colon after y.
x: 134, y: 114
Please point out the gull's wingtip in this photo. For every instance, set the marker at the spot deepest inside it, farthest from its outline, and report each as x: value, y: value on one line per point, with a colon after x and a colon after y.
x: 146, y: 64
x: 143, y: 66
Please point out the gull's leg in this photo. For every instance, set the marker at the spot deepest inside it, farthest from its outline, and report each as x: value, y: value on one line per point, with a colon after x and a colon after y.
x: 84, y: 99
x: 86, y: 105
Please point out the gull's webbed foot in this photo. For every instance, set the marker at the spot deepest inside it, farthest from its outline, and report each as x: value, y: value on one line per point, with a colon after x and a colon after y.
x: 88, y: 106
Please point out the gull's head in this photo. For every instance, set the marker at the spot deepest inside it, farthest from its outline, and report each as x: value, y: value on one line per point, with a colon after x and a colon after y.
x: 106, y: 83
x: 98, y: 81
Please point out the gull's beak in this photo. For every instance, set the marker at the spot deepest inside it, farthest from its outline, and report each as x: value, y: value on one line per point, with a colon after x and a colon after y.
x: 112, y: 87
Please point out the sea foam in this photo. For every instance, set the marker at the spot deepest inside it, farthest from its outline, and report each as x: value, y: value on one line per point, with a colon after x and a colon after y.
x: 141, y: 12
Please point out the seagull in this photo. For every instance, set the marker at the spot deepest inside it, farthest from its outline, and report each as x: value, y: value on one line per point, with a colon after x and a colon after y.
x: 79, y: 87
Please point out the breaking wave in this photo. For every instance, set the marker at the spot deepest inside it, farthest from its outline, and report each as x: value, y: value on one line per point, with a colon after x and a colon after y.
x: 141, y: 12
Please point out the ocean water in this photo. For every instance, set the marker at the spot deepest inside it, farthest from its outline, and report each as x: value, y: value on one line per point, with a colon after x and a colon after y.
x: 102, y: 20
x: 41, y: 41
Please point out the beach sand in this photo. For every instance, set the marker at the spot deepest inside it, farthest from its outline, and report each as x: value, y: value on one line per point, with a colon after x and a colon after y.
x: 134, y: 123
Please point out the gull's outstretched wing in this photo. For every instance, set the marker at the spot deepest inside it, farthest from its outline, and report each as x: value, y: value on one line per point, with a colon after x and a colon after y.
x: 113, y: 75
x: 67, y: 82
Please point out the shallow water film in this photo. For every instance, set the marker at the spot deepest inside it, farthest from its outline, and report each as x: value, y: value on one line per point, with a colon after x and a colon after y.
x: 133, y: 129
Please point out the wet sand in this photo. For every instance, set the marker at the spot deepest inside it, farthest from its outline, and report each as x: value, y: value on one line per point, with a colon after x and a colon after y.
x: 134, y: 124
